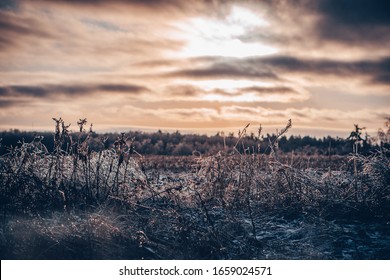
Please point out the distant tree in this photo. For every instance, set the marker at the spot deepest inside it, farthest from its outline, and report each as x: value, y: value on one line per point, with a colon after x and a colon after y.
x: 356, y: 137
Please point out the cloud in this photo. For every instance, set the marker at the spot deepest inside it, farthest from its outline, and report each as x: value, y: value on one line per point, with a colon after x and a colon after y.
x: 8, y: 5
x: 224, y: 70
x: 322, y: 66
x: 381, y: 79
x: 14, y: 27
x: 269, y: 90
x: 248, y: 94
x: 122, y: 88
x: 367, y: 71
x: 62, y: 38
x: 357, y: 12
x: 276, y: 67
x: 359, y: 21
x: 52, y: 91
x: 25, y: 25
x: 184, y: 91
x: 324, y: 28
x: 6, y: 43
x: 276, y: 94
x: 156, y: 8
x: 304, y: 117
x: 189, y: 115
x: 4, y: 104
x: 147, y: 3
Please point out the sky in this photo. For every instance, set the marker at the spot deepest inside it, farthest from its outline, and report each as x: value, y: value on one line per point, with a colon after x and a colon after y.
x: 196, y: 66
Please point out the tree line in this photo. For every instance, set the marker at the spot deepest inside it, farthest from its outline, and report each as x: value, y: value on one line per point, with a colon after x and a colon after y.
x: 178, y: 144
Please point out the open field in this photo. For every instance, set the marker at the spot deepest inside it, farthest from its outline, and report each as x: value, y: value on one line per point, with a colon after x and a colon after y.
x: 115, y: 204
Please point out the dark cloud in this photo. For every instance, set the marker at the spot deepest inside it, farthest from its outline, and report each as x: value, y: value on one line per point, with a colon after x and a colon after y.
x: 8, y: 103
x: 12, y: 23
x: 122, y: 88
x: 180, y: 62
x: 269, y: 90
x: 8, y: 5
x: 381, y: 79
x: 35, y: 91
x: 273, y: 68
x: 225, y: 70
x: 184, y: 90
x: 360, y: 21
x: 161, y: 6
x: 51, y: 91
x: 369, y: 72
x: 193, y: 91
x: 6, y: 43
x: 356, y: 12
x: 40, y: 91
x: 15, y: 29
x: 7, y: 24
x: 377, y: 69
x: 94, y: 2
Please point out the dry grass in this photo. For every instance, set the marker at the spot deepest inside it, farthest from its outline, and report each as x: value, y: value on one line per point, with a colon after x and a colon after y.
x: 72, y: 203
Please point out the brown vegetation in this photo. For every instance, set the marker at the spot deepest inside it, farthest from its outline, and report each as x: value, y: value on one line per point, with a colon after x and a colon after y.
x: 76, y: 203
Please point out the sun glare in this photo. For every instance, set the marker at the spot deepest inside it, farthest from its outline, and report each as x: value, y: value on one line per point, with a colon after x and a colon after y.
x: 208, y: 37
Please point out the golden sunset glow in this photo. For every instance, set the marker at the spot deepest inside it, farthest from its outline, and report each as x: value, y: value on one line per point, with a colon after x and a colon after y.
x: 194, y: 65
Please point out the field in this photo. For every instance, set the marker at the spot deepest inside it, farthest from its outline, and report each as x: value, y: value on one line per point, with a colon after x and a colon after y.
x: 74, y: 203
